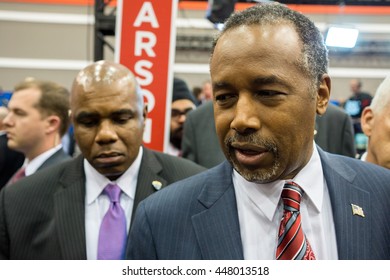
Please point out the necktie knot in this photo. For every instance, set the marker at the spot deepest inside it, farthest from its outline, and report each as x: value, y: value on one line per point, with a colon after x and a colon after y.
x: 291, y: 196
x: 113, y: 192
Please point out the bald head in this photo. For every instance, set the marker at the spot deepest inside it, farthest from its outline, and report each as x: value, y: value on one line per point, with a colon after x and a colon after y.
x: 104, y: 74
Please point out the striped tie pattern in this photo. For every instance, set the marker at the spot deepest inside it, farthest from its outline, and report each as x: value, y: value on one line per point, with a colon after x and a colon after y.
x: 292, y: 242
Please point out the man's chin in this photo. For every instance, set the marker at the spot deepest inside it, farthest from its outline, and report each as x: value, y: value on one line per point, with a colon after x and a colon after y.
x: 112, y: 175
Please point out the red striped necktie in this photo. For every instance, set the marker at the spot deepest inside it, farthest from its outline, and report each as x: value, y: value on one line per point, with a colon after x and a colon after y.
x: 292, y: 242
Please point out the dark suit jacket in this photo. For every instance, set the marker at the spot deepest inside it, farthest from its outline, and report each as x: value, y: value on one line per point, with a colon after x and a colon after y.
x: 55, y: 158
x: 197, y: 218
x: 43, y: 215
x: 200, y: 142
x: 335, y: 132
x: 10, y: 161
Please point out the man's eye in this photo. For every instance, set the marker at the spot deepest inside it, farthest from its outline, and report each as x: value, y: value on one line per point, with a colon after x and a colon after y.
x: 87, y: 122
x: 268, y: 93
x: 20, y: 113
x: 122, y: 119
x: 223, y: 97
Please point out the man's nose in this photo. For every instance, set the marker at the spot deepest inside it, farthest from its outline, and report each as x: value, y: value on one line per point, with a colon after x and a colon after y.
x: 246, y: 116
x: 106, y: 133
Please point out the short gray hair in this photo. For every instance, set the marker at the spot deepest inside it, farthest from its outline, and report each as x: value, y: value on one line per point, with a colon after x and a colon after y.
x: 314, y: 60
x: 382, y: 96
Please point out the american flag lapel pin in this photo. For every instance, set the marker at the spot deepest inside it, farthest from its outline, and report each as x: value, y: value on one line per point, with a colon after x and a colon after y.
x: 357, y: 210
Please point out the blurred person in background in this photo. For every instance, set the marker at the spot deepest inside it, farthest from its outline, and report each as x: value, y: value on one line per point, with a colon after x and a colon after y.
x: 37, y: 120
x: 376, y: 126
x: 10, y: 160
x: 183, y: 102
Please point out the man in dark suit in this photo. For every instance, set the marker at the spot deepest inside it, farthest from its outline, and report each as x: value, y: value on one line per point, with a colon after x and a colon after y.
x: 57, y: 213
x: 38, y: 117
x: 279, y: 196
x: 200, y: 142
x: 334, y: 132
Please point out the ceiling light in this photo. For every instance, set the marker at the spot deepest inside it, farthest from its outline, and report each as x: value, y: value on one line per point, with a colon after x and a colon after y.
x: 342, y: 37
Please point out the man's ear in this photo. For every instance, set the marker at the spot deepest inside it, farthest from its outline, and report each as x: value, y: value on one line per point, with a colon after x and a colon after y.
x: 53, y: 124
x: 367, y: 121
x: 323, y: 94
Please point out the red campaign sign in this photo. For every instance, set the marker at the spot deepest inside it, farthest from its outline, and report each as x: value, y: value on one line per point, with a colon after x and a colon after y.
x: 145, y: 43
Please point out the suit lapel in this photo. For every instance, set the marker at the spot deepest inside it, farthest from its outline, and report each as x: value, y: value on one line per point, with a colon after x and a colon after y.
x: 69, y: 207
x: 148, y: 173
x: 217, y: 228
x: 57, y: 157
x: 352, y: 229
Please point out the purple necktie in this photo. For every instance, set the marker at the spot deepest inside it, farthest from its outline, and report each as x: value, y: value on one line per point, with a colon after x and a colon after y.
x: 112, y: 235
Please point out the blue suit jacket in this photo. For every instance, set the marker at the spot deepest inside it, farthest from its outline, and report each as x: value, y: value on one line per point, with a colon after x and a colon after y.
x: 197, y: 218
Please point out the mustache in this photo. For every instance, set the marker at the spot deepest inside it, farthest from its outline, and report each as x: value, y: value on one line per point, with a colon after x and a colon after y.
x: 251, y: 139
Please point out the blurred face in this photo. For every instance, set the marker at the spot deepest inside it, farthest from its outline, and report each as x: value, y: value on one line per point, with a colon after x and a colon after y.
x: 207, y: 91
x: 179, y: 110
x: 108, y: 124
x: 264, y: 110
x: 25, y: 126
x: 377, y: 128
x: 354, y: 85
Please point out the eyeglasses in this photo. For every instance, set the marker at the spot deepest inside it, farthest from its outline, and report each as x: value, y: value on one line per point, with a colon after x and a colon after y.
x: 176, y: 114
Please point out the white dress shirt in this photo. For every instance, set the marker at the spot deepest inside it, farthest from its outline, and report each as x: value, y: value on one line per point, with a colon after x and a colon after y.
x: 32, y: 166
x: 260, y: 211
x: 96, y: 205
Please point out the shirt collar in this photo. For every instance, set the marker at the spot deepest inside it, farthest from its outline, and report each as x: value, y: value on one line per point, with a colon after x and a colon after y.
x: 266, y: 197
x: 96, y: 182
x: 32, y: 166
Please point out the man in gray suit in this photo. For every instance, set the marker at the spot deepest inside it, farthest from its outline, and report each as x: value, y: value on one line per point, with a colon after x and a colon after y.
x: 58, y: 213
x: 269, y: 73
x: 38, y: 117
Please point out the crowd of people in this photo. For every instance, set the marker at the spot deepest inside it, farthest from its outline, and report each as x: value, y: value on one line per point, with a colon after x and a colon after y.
x: 261, y: 165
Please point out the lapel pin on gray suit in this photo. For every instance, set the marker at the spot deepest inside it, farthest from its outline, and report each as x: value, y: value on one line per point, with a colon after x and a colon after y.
x: 357, y: 210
